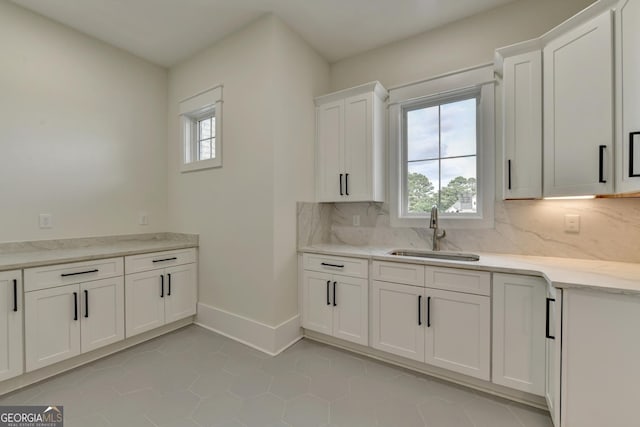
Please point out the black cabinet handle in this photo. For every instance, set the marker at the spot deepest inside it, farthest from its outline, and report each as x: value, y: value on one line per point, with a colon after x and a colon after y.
x: 162, y: 286
x: 15, y: 294
x: 79, y: 272
x: 509, y: 174
x: 428, y: 312
x: 601, y: 165
x: 86, y: 303
x: 547, y: 325
x: 632, y: 135
x: 75, y: 306
x: 331, y: 265
x: 419, y: 310
x: 346, y: 183
x: 334, y: 294
x: 341, y: 185
x: 169, y: 276
x: 328, y: 282
x: 165, y: 259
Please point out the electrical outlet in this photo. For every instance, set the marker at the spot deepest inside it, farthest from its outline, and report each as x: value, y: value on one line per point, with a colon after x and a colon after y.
x: 356, y: 220
x: 572, y: 223
x: 143, y: 218
x: 45, y: 221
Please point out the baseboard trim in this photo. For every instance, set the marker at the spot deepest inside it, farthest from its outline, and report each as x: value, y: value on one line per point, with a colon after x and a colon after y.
x: 268, y: 339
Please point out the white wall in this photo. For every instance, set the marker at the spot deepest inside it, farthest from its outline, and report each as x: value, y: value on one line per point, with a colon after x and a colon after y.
x: 462, y: 44
x: 82, y: 133
x: 245, y: 211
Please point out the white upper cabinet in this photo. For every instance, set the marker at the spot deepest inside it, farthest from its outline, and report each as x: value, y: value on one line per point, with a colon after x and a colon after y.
x: 350, y: 135
x: 578, y: 110
x: 628, y: 97
x: 522, y: 125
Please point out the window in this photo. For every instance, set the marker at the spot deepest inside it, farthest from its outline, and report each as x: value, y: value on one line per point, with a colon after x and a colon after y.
x: 442, y: 150
x: 440, y: 142
x: 201, y: 117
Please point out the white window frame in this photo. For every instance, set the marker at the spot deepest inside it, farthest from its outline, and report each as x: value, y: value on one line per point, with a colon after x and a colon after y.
x: 200, y: 106
x: 478, y: 80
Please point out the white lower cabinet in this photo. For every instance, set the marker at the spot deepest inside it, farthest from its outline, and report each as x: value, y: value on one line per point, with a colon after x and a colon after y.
x: 11, y: 311
x: 160, y: 295
x: 65, y: 321
x: 519, y: 332
x: 442, y: 328
x: 397, y: 319
x: 336, y: 305
x: 553, y: 352
x: 458, y: 334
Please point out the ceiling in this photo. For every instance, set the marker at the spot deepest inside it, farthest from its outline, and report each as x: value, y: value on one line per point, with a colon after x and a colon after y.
x: 168, y: 31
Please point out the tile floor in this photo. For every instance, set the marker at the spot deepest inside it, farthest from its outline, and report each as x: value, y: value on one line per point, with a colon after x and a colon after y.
x: 194, y: 377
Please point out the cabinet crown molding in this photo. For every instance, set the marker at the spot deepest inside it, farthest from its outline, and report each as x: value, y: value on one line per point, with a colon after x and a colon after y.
x: 374, y: 86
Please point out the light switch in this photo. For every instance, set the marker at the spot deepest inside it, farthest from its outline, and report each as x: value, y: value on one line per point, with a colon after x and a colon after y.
x: 45, y: 221
x: 143, y: 218
x: 572, y: 223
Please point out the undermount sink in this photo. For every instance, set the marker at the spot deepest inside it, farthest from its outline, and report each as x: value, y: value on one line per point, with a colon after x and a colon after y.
x: 455, y: 256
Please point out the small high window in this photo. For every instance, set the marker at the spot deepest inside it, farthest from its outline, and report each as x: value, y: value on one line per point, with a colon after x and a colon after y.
x: 201, y: 118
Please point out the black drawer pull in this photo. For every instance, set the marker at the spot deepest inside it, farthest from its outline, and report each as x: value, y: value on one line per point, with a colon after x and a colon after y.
x: 331, y: 265
x: 334, y: 294
x: 86, y: 303
x: 169, y: 277
x: 328, y: 283
x: 75, y: 306
x: 547, y: 325
x: 509, y: 166
x: 632, y: 173
x: 79, y: 272
x: 428, y: 312
x: 419, y: 310
x: 165, y: 259
x: 341, y: 193
x: 346, y: 183
x: 15, y: 294
x: 601, y: 165
x: 162, y: 286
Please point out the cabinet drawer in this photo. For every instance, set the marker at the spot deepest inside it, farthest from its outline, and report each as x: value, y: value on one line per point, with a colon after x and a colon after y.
x: 451, y: 279
x: 152, y: 261
x: 64, y: 274
x: 396, y: 272
x: 353, y: 267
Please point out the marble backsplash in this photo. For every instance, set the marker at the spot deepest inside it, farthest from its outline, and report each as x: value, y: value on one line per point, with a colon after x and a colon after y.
x: 609, y: 229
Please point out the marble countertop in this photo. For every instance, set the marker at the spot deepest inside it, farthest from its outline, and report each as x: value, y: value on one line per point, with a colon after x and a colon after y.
x: 15, y: 256
x: 608, y: 276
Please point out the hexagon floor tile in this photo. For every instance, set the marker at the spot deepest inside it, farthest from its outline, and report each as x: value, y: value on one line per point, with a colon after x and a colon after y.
x: 194, y: 377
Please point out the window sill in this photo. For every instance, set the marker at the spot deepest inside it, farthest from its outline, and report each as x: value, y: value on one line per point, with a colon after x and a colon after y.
x: 201, y: 165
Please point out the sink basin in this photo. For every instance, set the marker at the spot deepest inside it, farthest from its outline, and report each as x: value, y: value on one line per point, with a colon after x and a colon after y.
x: 454, y: 256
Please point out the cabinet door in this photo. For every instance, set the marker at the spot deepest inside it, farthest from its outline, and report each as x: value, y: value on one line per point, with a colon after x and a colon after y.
x: 52, y: 325
x: 398, y: 319
x: 317, y: 311
x: 578, y: 111
x: 552, y: 355
x: 459, y: 334
x: 350, y: 302
x: 600, y: 354
x: 519, y: 332
x: 102, y: 313
x: 358, y: 148
x: 10, y: 324
x: 329, y: 151
x: 628, y: 96
x: 181, y: 291
x: 522, y: 92
x: 145, y: 296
